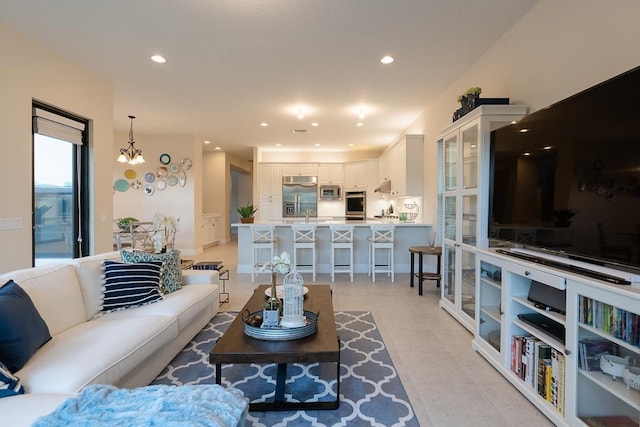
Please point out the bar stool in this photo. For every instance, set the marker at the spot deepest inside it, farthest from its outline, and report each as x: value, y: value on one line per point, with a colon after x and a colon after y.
x: 262, y: 238
x: 341, y: 238
x: 422, y: 276
x: 304, y: 237
x: 381, y: 238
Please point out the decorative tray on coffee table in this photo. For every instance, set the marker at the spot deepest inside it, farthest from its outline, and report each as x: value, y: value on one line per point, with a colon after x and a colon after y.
x: 279, y: 333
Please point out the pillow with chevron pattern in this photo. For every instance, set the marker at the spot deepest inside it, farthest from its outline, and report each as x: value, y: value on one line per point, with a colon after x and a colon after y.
x: 9, y: 383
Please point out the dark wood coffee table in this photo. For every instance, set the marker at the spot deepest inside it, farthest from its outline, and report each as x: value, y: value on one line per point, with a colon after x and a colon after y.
x: 321, y: 347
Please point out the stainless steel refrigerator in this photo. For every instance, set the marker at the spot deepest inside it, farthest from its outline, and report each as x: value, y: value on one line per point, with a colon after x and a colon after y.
x: 299, y: 193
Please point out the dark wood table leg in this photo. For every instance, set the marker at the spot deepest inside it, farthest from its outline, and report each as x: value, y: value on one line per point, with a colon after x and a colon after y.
x: 420, y: 278
x: 412, y: 270
x: 218, y: 373
x: 280, y: 382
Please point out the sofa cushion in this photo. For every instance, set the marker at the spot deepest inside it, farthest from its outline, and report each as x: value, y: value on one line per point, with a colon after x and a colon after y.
x: 22, y: 330
x: 9, y: 384
x: 171, y: 274
x: 186, y: 304
x: 24, y: 409
x: 100, y: 351
x: 55, y: 291
x: 129, y: 285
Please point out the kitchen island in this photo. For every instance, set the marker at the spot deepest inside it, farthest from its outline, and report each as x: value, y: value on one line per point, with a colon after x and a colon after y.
x: 406, y: 235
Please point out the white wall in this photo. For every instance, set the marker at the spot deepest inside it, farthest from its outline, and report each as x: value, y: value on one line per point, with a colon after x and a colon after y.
x: 181, y: 202
x: 557, y: 49
x: 29, y: 71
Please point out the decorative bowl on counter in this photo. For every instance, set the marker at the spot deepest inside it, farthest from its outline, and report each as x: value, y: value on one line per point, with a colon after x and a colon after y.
x: 615, y: 365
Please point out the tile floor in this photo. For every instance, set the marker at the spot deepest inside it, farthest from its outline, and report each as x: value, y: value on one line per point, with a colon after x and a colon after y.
x: 447, y: 382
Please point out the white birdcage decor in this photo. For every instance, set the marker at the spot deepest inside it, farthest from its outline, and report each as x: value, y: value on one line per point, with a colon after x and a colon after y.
x: 292, y: 310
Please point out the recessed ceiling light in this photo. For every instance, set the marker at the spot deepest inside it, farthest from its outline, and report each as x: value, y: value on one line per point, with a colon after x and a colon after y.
x: 317, y: 145
x: 314, y: 124
x: 217, y: 148
x: 386, y: 59
x: 527, y: 154
x: 359, y: 124
x: 159, y: 59
x: 524, y: 130
x: 548, y: 147
x: 300, y: 112
x: 207, y: 142
x: 350, y: 145
x: 264, y: 124
x: 278, y: 145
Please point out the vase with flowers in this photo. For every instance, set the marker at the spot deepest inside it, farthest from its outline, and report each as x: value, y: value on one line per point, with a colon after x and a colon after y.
x: 165, y: 227
x: 273, y: 306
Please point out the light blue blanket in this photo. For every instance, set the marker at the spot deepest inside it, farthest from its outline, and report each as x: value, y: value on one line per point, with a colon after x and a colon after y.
x: 158, y: 405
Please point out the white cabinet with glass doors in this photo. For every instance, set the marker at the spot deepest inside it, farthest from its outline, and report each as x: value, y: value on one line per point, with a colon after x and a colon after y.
x: 463, y: 190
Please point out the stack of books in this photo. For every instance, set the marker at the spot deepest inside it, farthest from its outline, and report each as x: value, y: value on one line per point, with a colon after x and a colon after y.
x: 541, y: 366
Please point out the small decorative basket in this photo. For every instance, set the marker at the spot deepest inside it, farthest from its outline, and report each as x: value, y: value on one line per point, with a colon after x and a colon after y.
x: 631, y: 377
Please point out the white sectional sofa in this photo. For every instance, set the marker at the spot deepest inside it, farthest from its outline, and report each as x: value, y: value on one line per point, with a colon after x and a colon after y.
x: 126, y: 348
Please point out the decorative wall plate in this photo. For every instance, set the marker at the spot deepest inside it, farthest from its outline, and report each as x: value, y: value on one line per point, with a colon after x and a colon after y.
x: 162, y: 172
x: 149, y: 190
x: 186, y: 163
x: 161, y: 184
x: 172, y: 180
x: 165, y: 159
x: 174, y: 167
x: 149, y: 177
x: 136, y: 184
x: 121, y: 185
x: 182, y: 178
x: 130, y: 174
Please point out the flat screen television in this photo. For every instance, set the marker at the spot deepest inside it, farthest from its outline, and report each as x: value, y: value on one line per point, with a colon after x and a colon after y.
x: 579, y: 156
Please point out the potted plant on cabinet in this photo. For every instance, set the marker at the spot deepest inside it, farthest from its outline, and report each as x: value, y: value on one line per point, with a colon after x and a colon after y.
x: 246, y: 213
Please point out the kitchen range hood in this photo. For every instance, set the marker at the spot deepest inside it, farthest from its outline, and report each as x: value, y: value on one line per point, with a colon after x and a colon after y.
x: 385, y: 187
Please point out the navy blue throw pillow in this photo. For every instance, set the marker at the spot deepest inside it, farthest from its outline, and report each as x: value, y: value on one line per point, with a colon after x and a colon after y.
x: 22, y: 329
x: 130, y: 285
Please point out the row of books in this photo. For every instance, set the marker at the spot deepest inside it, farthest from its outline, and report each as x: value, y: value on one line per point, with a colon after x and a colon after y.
x: 540, y: 366
x: 618, y: 323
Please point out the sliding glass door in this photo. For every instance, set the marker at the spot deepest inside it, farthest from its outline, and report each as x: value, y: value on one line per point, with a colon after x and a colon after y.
x: 59, y: 170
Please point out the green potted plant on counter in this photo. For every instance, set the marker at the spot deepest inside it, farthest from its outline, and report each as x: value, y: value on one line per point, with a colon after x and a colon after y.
x: 246, y: 213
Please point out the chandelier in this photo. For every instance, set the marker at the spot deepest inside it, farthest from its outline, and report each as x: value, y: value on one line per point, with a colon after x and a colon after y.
x: 131, y: 154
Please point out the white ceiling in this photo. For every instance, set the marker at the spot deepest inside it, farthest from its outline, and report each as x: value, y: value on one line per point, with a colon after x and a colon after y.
x: 232, y: 64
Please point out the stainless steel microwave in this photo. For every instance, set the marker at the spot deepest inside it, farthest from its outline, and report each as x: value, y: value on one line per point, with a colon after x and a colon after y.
x: 330, y: 192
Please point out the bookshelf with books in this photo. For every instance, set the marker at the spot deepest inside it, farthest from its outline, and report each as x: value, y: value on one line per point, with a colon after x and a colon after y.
x: 532, y: 359
x: 608, y: 337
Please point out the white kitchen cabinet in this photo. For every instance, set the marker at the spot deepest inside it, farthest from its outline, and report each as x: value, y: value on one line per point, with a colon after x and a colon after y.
x: 356, y: 176
x: 329, y: 173
x: 208, y: 231
x: 270, y: 191
x: 463, y: 202
x: 300, y: 169
x: 406, y: 167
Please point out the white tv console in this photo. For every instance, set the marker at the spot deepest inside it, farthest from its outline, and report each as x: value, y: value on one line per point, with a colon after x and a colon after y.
x: 596, y: 310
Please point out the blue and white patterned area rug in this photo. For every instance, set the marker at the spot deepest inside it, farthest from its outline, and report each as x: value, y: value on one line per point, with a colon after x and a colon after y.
x: 371, y: 393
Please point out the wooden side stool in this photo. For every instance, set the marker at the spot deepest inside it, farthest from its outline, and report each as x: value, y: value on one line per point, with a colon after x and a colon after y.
x: 422, y: 276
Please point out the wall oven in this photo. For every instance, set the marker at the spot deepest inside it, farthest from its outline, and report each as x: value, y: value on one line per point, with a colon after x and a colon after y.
x: 355, y: 205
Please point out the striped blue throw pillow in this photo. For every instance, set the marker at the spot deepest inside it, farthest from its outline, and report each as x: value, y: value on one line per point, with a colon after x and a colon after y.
x: 129, y: 285
x: 9, y: 383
